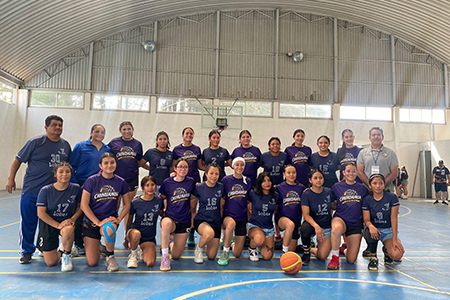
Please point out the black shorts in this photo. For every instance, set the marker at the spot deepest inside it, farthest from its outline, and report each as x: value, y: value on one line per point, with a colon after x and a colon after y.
x: 143, y: 238
x: 48, y: 237
x: 440, y: 187
x: 133, y: 184
x: 297, y: 225
x: 352, y: 230
x: 90, y: 230
x: 217, y: 230
x: 182, y: 227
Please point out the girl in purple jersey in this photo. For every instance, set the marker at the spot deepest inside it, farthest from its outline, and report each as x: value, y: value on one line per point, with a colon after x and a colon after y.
x: 262, y: 203
x: 380, y: 212
x: 58, y: 208
x: 348, y: 217
x: 317, y: 212
x: 289, y: 214
x: 176, y: 192
x: 299, y: 155
x: 141, y: 225
x: 100, y: 203
x: 234, y: 209
x: 348, y: 152
x: 250, y: 153
x: 208, y: 220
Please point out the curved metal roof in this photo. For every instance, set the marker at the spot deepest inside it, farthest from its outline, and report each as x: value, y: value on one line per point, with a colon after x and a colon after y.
x: 34, y: 34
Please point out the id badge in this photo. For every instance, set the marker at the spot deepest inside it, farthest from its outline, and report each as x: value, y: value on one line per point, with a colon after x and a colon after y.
x: 375, y: 170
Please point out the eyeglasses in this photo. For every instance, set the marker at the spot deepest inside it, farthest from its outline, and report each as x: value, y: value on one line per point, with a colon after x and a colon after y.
x: 182, y: 167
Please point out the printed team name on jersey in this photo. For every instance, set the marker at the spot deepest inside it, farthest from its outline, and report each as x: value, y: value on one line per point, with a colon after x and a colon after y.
x: 107, y: 192
x: 380, y: 218
x: 126, y: 152
x: 350, y: 196
x: 249, y: 157
x: 189, y: 155
x: 162, y: 162
x: 179, y: 195
x: 292, y: 198
x: 348, y: 159
x: 237, y: 191
x: 299, y: 157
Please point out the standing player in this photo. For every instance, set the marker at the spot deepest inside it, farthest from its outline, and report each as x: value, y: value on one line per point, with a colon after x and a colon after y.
x: 58, y: 207
x: 42, y: 153
x: 84, y: 161
x: 380, y: 211
x: 141, y: 226
x: 176, y: 192
x: 234, y: 210
x: 299, y: 156
x: 215, y: 154
x: 326, y: 161
x: 262, y: 203
x: 289, y: 214
x: 441, y: 177
x: 317, y: 212
x: 208, y: 220
x: 159, y: 159
x: 348, y: 217
x: 249, y: 153
x: 100, y: 204
x: 348, y: 152
x: 128, y: 152
x: 273, y: 161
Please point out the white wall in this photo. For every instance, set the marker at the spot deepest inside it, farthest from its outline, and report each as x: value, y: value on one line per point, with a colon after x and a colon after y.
x: 22, y: 123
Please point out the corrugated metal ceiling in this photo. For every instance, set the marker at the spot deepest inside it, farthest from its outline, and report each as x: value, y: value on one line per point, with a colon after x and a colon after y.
x: 34, y: 34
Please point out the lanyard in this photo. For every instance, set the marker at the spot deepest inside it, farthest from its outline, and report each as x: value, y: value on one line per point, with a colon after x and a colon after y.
x: 375, y: 159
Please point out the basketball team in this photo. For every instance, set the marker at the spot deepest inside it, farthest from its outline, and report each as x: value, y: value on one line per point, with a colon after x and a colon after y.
x: 85, y: 193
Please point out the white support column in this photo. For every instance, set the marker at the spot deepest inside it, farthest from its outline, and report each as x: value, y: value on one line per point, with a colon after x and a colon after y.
x: 90, y: 67
x: 336, y: 120
x: 154, y: 54
x: 277, y: 45
x: 217, y: 50
x: 395, y: 109
x: 335, y: 60
x: 446, y: 100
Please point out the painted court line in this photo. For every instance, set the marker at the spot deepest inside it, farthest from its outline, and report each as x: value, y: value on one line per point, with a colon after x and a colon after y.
x: 7, y: 225
x: 404, y: 215
x: 411, y: 277
x: 417, y: 228
x: 423, y: 266
x: 225, y: 286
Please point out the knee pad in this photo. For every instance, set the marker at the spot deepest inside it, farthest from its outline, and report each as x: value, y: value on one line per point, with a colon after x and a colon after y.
x: 106, y: 234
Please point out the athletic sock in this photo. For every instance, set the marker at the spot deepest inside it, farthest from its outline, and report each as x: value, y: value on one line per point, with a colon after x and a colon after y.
x: 68, y: 252
x: 165, y: 251
x: 335, y: 252
x: 285, y: 248
x: 134, y: 251
x: 108, y: 253
x: 226, y: 249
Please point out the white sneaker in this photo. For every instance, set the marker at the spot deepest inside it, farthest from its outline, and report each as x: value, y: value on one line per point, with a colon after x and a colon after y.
x: 140, y: 254
x: 66, y: 263
x: 405, y: 197
x: 111, y: 264
x: 74, y: 251
x: 253, y: 254
x: 102, y: 250
x: 132, y: 260
x: 198, y: 255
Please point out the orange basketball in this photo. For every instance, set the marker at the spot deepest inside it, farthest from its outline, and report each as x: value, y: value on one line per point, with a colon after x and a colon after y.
x: 291, y: 262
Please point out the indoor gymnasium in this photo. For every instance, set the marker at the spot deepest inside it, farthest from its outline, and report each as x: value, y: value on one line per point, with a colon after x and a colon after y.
x: 224, y: 149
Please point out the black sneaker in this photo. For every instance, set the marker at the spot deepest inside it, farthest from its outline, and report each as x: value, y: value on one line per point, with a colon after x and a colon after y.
x: 387, y: 259
x: 299, y: 249
x: 306, y: 258
x: 366, y: 253
x: 26, y: 258
x: 373, y: 264
x: 436, y: 202
x: 445, y: 203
